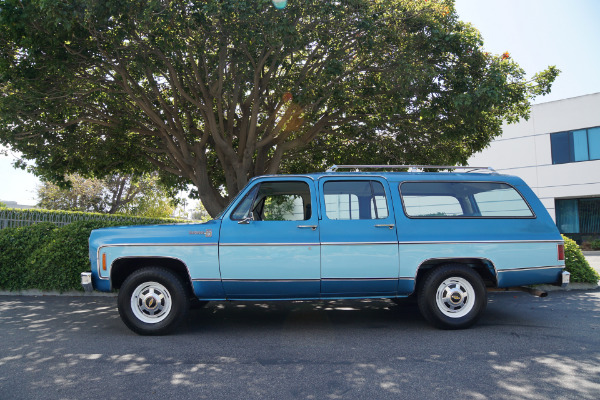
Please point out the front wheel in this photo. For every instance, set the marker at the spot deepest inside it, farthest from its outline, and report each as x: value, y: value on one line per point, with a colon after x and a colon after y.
x: 452, y: 296
x: 152, y: 301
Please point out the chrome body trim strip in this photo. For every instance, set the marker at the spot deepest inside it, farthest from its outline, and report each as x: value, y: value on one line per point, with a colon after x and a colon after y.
x: 157, y: 244
x: 354, y: 243
x: 557, y: 241
x: 358, y: 279
x: 531, y: 268
x: 268, y: 244
x: 271, y: 280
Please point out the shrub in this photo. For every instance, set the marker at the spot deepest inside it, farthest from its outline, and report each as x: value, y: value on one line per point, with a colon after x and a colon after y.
x: 577, y: 265
x: 58, y: 264
x: 595, y: 244
x: 16, y: 244
x: 46, y: 257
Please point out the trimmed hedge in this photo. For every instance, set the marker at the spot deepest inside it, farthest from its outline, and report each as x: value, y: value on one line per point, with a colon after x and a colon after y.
x: 16, y: 217
x: 46, y: 257
x: 577, y: 265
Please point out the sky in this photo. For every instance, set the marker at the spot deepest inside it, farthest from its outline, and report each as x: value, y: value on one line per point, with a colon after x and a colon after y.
x: 536, y: 33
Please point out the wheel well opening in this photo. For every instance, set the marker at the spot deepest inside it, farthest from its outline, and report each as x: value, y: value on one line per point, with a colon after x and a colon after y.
x: 483, y: 267
x: 124, y: 267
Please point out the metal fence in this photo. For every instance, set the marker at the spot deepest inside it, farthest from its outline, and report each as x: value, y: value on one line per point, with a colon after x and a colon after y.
x: 14, y: 218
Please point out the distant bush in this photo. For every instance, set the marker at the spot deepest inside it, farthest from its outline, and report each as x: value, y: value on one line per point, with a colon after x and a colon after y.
x: 577, y: 265
x: 46, y: 257
x: 595, y: 244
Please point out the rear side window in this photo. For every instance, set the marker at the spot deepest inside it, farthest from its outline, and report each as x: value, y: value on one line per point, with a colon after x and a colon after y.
x: 463, y: 199
x: 348, y: 200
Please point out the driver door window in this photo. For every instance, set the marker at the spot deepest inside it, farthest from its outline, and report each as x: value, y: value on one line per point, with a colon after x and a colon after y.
x: 276, y: 201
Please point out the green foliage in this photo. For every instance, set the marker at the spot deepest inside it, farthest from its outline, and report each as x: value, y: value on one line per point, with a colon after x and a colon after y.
x: 577, y: 265
x: 58, y: 263
x: 2, y: 205
x: 45, y: 257
x: 280, y: 208
x: 16, y: 217
x: 126, y: 194
x: 595, y: 244
x: 213, y: 93
x: 16, y: 245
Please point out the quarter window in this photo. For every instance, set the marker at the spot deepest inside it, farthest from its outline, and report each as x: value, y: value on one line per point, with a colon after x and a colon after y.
x: 349, y: 200
x: 463, y: 199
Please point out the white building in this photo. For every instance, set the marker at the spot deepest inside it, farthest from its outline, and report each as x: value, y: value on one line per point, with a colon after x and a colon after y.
x: 557, y: 152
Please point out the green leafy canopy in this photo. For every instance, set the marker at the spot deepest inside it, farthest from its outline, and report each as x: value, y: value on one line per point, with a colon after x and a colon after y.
x: 215, y: 92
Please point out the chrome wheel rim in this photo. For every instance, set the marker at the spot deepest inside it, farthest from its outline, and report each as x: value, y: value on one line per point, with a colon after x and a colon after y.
x: 455, y: 297
x: 151, y: 302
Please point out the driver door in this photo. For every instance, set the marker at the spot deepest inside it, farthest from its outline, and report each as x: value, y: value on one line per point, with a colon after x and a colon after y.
x: 269, y: 243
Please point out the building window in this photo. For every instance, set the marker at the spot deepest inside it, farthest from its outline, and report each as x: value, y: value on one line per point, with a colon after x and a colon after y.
x: 573, y: 146
x: 581, y: 216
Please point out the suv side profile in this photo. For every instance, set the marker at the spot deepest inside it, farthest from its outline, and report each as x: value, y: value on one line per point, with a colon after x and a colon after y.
x: 444, y: 237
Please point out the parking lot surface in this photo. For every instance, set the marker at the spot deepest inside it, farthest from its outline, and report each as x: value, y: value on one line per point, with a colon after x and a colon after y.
x: 524, y: 347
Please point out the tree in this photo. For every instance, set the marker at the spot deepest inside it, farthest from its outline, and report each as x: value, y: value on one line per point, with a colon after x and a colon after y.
x: 215, y: 92
x: 122, y: 194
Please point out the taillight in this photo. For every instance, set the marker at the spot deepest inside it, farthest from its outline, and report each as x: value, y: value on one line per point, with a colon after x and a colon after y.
x: 103, y: 261
x: 561, y: 252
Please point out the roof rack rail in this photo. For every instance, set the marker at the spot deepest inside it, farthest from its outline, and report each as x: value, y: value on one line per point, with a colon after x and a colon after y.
x: 411, y: 168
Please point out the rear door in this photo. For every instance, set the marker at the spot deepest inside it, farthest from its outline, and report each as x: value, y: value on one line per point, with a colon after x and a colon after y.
x: 359, y: 243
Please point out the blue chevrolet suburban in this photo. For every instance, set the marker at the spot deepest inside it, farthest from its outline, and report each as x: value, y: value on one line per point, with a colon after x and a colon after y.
x: 445, y: 238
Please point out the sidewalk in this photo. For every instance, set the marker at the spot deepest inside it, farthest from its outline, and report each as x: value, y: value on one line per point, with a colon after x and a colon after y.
x: 593, y: 257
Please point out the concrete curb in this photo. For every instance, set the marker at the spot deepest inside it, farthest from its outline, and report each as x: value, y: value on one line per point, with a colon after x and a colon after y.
x: 71, y: 293
x: 570, y: 286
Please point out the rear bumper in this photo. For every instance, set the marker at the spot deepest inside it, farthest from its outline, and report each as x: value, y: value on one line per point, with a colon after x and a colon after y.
x: 86, y: 281
x: 565, y: 278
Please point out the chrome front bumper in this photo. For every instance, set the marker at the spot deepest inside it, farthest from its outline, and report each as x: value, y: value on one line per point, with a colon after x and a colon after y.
x: 86, y: 281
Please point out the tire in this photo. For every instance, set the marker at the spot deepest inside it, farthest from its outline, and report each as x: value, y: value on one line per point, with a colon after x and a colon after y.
x: 152, y: 301
x: 452, y: 296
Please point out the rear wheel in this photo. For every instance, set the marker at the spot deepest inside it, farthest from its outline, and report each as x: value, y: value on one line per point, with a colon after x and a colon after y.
x: 152, y: 301
x: 452, y: 296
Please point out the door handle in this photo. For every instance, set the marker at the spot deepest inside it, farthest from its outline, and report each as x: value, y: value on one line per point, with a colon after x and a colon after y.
x: 313, y: 227
x: 391, y: 226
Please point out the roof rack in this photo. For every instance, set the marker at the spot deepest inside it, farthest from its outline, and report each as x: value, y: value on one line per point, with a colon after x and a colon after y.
x: 412, y: 168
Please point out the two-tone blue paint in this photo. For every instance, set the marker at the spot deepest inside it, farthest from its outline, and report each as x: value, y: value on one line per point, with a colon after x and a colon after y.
x: 323, y: 258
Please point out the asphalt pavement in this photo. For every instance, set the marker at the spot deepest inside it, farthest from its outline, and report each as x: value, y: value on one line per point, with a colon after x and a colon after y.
x: 524, y: 347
